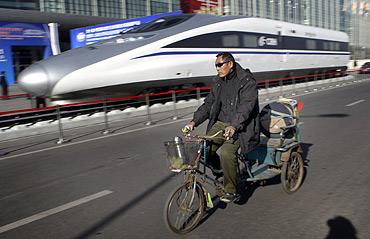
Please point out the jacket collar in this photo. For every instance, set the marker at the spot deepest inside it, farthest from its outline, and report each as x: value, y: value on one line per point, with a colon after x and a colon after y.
x: 241, y: 73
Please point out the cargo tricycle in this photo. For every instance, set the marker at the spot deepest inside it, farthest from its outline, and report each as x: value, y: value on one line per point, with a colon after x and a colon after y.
x: 279, y: 153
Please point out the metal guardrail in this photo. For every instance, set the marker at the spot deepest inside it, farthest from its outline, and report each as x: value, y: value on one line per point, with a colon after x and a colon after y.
x: 30, y: 117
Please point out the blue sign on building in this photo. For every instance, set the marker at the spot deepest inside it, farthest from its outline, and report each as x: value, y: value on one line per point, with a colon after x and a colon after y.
x: 15, y: 34
x: 88, y: 35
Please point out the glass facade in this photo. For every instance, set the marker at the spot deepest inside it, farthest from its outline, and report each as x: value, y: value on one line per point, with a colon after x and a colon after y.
x: 351, y: 16
x: 82, y: 7
x: 110, y: 8
x: 136, y: 8
x: 20, y: 4
x: 159, y: 6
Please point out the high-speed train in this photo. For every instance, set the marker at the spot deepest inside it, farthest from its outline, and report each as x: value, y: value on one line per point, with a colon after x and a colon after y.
x: 179, y: 50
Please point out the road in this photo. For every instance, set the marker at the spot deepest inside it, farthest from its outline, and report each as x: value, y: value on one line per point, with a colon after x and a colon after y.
x: 115, y: 186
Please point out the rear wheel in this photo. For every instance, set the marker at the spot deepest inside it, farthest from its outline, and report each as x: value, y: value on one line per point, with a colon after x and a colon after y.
x: 292, y: 173
x: 184, y: 208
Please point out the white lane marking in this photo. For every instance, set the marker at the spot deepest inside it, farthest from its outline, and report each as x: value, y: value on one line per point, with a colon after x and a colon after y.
x: 355, y: 103
x: 52, y: 211
x: 89, y: 140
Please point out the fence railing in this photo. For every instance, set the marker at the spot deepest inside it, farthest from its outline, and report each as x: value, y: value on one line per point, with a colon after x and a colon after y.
x: 9, y: 119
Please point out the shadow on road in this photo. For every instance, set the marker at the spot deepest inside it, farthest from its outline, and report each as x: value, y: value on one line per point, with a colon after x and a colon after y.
x: 246, y: 192
x: 326, y: 116
x: 94, y: 229
x: 27, y: 146
x: 72, y: 138
x: 341, y: 227
x: 305, y: 149
x: 306, y: 160
x: 210, y: 211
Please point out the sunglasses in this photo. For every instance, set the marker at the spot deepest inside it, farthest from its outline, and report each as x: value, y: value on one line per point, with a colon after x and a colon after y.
x: 221, y: 64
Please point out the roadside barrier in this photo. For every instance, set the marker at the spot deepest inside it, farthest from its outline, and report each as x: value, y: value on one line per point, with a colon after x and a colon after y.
x: 32, y: 116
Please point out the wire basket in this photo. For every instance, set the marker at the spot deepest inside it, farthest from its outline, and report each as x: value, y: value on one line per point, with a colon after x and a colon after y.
x: 181, y: 155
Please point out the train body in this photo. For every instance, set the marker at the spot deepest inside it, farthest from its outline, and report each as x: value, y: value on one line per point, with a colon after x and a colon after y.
x: 179, y: 50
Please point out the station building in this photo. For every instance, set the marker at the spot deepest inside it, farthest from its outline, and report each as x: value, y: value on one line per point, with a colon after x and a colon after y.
x: 25, y: 38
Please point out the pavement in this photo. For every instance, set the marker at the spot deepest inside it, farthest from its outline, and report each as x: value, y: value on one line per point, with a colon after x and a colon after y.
x: 116, y: 185
x: 15, y: 103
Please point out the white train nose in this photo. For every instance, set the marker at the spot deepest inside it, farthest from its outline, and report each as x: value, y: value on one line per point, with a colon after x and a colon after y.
x: 34, y: 80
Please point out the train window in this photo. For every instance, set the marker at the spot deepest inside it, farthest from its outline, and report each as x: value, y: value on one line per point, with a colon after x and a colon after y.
x: 161, y: 23
x: 325, y: 45
x: 255, y: 40
x: 311, y: 44
x: 294, y: 43
x: 210, y: 40
x: 337, y: 46
x: 250, y: 40
x: 230, y: 41
x: 332, y: 46
x: 344, y: 46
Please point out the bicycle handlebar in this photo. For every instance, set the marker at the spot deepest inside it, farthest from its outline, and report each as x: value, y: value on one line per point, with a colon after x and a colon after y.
x: 210, y: 136
x: 206, y: 137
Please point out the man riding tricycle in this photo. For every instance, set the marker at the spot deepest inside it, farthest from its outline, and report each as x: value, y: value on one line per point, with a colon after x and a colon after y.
x: 234, y: 148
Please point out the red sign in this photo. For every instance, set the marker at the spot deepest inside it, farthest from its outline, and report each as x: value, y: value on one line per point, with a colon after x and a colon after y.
x: 202, y: 6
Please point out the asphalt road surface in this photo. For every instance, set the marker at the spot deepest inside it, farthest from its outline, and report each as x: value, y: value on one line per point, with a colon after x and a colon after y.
x: 115, y: 186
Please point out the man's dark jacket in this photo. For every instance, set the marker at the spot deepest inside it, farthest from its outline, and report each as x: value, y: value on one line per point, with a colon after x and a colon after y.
x: 246, y: 111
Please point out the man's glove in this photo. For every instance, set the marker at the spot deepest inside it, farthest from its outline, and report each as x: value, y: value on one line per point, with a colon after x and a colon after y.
x: 229, y: 132
x: 189, y: 127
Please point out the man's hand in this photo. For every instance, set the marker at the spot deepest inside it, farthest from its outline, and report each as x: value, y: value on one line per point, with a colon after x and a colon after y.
x: 229, y: 132
x: 189, y: 127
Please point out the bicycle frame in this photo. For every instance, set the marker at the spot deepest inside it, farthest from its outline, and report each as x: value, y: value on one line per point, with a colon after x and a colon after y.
x: 198, y: 173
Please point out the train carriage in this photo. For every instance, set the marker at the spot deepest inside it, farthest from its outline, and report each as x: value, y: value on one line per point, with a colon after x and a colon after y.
x: 179, y: 50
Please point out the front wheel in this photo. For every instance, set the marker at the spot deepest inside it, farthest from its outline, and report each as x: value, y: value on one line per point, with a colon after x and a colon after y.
x: 292, y: 173
x: 184, y: 208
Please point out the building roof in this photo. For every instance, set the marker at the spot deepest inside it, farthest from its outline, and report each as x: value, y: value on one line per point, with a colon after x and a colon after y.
x: 66, y: 21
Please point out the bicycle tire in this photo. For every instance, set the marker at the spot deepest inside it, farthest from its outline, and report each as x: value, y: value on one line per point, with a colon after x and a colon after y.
x: 186, y: 217
x: 292, y: 173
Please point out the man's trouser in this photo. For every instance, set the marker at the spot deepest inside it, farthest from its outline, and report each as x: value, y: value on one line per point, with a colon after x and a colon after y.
x: 227, y: 150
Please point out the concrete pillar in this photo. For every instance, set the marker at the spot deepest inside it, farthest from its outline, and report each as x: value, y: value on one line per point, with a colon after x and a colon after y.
x: 148, y: 8
x: 94, y: 4
x: 54, y: 38
x: 124, y: 9
x: 281, y: 10
x: 170, y: 9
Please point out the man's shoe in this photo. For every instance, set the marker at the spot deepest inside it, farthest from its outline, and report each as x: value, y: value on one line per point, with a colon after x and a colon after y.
x: 228, y: 197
